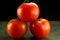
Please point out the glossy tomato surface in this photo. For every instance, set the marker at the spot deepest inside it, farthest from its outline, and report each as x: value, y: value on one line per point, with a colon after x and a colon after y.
x: 40, y: 29
x: 28, y: 12
x: 16, y: 28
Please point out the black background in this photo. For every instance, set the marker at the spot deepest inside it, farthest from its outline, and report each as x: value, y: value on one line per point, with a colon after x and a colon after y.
x: 50, y: 9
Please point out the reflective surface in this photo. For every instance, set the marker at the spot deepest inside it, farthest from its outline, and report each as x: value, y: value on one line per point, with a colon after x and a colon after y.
x: 54, y: 34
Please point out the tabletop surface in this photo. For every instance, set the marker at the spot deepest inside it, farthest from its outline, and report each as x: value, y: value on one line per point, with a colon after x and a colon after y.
x: 54, y: 34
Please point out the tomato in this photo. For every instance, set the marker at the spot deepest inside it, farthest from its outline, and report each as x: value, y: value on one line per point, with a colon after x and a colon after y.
x: 16, y: 28
x: 28, y: 12
x: 40, y: 28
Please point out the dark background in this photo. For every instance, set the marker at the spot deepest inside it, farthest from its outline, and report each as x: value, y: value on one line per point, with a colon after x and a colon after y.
x: 50, y: 9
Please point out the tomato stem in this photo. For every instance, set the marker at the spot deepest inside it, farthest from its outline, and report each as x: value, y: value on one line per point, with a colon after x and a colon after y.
x: 26, y: 1
x: 17, y: 18
x: 40, y: 18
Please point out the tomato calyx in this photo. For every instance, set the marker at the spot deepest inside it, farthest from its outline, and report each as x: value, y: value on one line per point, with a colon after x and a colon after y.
x: 26, y: 1
x: 40, y: 18
x: 17, y: 18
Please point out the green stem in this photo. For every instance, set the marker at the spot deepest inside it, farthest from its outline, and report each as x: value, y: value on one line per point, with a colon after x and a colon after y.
x: 17, y: 18
x: 26, y: 1
x: 40, y: 18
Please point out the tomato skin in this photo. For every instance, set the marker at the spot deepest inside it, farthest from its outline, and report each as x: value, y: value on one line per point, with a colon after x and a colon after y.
x: 16, y: 28
x: 40, y: 29
x: 28, y: 12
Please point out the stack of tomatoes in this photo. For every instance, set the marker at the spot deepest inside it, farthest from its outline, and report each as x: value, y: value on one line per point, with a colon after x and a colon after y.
x: 28, y: 12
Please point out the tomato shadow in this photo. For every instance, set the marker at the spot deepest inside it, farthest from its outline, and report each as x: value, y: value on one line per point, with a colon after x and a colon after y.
x: 32, y: 38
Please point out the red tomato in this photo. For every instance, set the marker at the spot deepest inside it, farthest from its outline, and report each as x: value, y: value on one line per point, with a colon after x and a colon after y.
x: 28, y: 12
x: 16, y: 28
x: 40, y: 29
